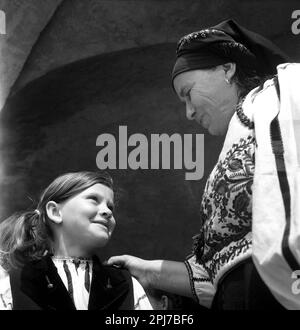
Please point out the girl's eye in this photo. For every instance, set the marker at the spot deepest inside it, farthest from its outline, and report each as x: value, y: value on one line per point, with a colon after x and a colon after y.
x: 94, y: 198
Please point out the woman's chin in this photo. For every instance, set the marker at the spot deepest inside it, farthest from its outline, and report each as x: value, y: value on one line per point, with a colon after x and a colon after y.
x: 212, y: 131
x: 216, y: 131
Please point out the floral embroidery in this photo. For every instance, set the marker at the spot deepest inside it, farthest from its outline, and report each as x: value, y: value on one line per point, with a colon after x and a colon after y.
x: 226, y: 208
x: 220, y: 259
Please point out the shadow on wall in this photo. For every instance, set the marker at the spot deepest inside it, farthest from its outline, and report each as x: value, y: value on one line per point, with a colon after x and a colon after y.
x: 51, y: 126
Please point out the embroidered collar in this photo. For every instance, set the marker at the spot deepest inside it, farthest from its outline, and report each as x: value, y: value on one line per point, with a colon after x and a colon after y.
x: 72, y: 259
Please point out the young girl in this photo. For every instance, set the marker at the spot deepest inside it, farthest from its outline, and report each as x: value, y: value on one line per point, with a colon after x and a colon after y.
x: 50, y: 256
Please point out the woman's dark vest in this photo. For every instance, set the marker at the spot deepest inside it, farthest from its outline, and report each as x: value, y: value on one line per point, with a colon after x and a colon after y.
x: 38, y: 286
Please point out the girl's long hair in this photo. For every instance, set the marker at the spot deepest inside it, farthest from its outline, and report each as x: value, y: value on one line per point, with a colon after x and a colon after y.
x: 26, y: 236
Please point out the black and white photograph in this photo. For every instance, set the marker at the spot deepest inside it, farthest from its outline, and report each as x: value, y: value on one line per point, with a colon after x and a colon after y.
x: 150, y: 157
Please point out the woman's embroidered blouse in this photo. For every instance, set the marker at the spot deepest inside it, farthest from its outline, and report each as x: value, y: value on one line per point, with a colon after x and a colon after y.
x: 226, y: 213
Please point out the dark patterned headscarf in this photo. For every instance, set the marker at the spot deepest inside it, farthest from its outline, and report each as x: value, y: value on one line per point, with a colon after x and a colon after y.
x: 227, y: 42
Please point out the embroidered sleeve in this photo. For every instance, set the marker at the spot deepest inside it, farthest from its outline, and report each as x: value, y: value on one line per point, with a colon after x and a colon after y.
x: 201, y: 285
x: 5, y: 291
x: 141, y: 301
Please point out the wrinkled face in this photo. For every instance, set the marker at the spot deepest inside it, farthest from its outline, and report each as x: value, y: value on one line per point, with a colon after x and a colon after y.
x: 209, y: 100
x: 87, y: 218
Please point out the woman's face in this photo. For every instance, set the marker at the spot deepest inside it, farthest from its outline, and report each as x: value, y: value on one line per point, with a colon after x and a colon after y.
x: 87, y: 219
x: 208, y: 98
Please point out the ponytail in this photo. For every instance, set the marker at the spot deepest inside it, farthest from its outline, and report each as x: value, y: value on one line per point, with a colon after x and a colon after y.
x: 23, y: 237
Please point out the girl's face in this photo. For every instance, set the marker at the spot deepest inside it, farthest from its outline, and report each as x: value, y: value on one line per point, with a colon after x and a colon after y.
x: 87, y: 219
x: 208, y: 98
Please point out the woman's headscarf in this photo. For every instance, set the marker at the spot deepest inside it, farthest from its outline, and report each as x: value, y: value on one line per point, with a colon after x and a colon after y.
x: 227, y: 42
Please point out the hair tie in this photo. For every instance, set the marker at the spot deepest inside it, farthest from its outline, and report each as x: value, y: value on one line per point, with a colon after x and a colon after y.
x: 37, y: 212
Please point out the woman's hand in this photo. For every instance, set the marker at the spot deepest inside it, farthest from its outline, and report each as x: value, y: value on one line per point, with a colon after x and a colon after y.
x: 171, y: 276
x: 136, y: 266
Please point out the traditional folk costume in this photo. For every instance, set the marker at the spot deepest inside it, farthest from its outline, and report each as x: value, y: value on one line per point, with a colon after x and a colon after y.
x: 69, y: 284
x: 242, y: 222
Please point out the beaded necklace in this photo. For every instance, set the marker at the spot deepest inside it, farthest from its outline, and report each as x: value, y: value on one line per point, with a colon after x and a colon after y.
x: 242, y: 117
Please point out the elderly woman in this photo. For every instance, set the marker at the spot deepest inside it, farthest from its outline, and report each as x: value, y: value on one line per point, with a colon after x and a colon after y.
x: 214, y: 71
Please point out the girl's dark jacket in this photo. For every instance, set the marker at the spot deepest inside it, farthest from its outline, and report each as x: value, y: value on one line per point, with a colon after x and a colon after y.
x: 37, y: 286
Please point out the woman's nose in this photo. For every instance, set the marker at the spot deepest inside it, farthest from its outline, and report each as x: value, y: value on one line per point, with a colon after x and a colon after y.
x: 190, y: 112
